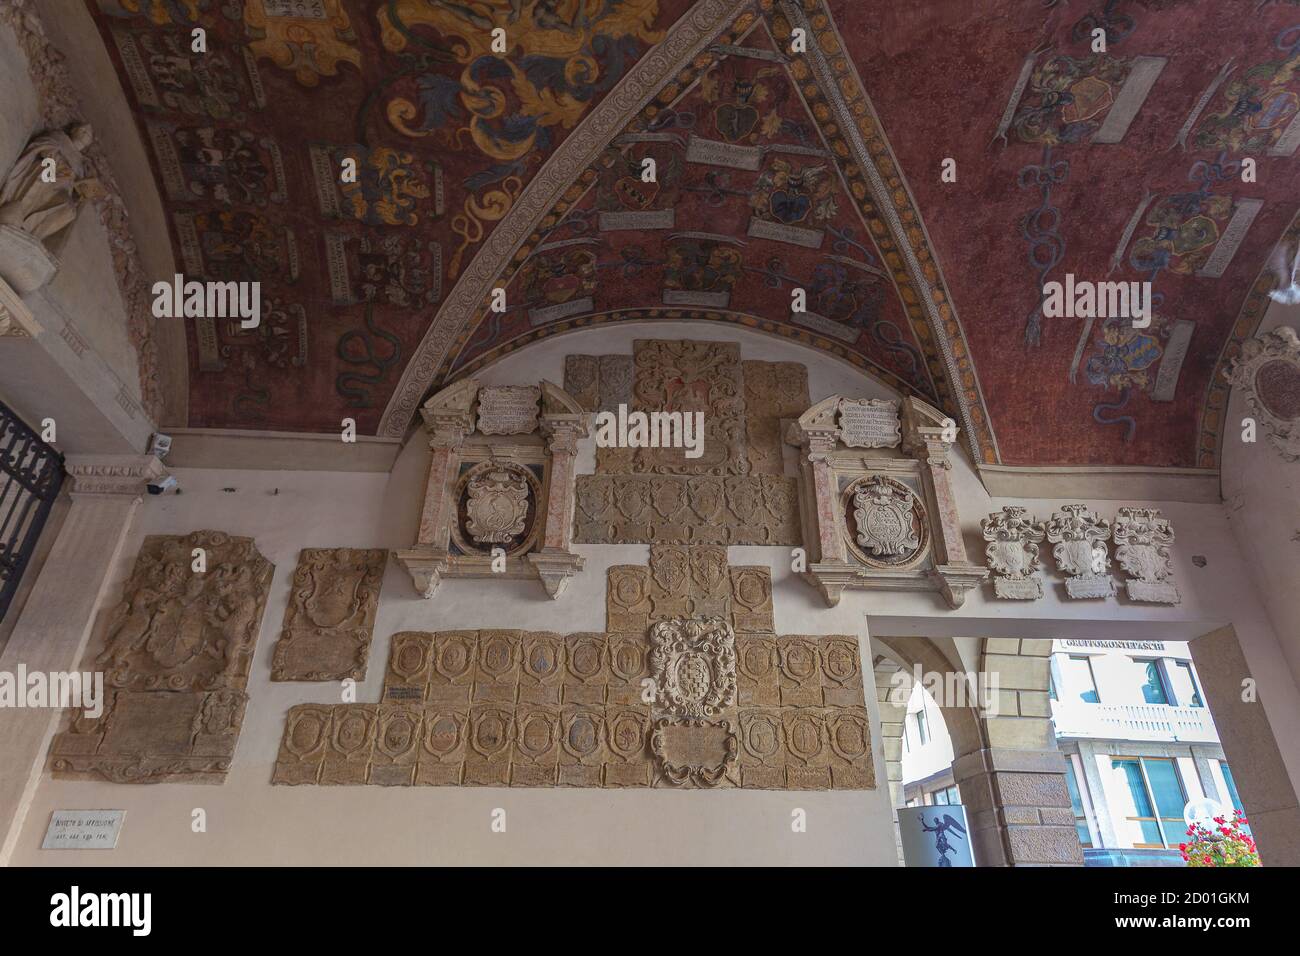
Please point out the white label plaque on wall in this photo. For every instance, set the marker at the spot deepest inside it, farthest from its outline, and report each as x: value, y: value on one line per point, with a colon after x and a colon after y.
x: 935, y: 836
x: 83, y: 830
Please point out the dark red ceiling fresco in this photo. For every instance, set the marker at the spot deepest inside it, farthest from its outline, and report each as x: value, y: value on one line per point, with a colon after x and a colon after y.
x: 1056, y: 195
x: 247, y: 142
x: 707, y: 240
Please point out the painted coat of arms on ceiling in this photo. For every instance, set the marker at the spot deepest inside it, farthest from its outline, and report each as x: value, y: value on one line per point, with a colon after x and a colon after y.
x: 1256, y: 109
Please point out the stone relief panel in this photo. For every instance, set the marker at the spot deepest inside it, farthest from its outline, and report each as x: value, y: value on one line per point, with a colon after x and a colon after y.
x: 692, y: 376
x: 773, y: 391
x: 1078, y: 537
x: 331, y: 615
x: 1268, y: 371
x: 1142, y: 539
x: 513, y: 708
x: 1012, y: 551
x: 176, y: 656
x: 632, y: 509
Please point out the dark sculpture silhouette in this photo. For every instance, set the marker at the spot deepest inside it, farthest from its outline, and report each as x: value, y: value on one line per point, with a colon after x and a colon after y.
x: 941, y: 828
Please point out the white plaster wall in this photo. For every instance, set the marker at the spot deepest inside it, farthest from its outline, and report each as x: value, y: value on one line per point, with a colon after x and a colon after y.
x: 249, y: 821
x: 1262, y: 491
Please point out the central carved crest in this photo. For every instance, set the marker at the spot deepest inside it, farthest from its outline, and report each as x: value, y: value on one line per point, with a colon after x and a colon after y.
x: 497, y: 504
x: 694, y: 666
x: 884, y: 511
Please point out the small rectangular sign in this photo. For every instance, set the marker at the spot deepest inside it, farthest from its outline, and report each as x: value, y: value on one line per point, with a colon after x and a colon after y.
x: 83, y: 830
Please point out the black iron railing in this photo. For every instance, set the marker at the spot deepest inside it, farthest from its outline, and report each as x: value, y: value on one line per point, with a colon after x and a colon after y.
x: 31, y: 473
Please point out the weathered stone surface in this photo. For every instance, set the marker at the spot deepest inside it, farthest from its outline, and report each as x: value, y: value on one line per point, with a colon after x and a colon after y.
x: 539, y: 709
x: 633, y: 509
x: 331, y: 615
x: 773, y: 391
x: 177, y: 653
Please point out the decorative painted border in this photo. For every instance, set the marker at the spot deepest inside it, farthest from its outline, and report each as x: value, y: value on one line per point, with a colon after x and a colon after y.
x: 652, y: 74
x: 49, y: 74
x: 746, y: 319
x: 839, y: 102
x: 1209, y: 443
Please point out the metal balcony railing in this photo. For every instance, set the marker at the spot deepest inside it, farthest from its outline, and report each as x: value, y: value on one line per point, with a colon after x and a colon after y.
x: 31, y: 473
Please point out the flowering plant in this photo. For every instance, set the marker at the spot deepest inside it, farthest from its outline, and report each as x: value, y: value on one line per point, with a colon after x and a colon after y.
x: 1227, y: 844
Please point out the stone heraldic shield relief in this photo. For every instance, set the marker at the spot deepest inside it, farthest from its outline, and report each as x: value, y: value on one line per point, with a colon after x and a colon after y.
x: 331, y: 615
x: 1012, y: 551
x: 885, y: 518
x: 539, y: 709
x: 1078, y: 537
x: 176, y: 655
x: 1268, y: 371
x: 500, y: 486
x: 1142, y: 539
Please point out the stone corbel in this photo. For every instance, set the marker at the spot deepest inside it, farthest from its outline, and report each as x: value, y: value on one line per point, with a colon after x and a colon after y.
x: 16, y: 320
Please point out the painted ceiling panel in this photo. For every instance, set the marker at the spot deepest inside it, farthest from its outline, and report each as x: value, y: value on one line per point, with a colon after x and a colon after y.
x: 1128, y: 165
x: 1083, y: 150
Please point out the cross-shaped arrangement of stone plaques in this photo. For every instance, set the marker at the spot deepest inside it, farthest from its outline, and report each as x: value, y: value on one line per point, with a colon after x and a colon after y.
x: 689, y: 686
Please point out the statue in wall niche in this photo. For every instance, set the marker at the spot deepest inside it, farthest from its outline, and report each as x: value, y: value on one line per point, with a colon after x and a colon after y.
x: 42, y: 198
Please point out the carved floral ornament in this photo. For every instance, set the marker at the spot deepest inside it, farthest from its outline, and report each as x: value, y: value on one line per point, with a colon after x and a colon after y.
x: 1268, y: 371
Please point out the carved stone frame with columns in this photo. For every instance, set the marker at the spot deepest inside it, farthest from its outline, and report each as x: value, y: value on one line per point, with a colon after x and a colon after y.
x: 510, y: 452
x: 847, y: 496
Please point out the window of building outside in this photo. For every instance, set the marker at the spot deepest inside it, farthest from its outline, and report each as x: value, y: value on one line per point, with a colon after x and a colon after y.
x: 922, y: 729
x: 1188, y: 694
x: 1076, y: 802
x: 1079, y: 679
x: 1155, y: 800
x: 1152, y: 680
x: 1233, y: 795
x: 954, y: 796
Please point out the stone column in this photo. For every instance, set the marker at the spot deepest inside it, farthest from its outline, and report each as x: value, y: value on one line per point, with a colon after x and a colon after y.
x: 818, y: 448
x: 1013, y: 787
x: 555, y: 562
x: 55, y: 625
x: 439, y: 489
x: 893, y: 714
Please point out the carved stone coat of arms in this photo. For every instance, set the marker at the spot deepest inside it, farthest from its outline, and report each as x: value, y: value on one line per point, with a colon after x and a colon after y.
x: 496, y: 505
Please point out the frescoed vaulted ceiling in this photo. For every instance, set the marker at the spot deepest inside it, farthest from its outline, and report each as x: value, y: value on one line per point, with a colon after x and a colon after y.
x: 776, y: 170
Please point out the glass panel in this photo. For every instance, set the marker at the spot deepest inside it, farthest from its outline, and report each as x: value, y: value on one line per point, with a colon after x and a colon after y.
x: 1166, y: 788
x: 922, y: 731
x: 1079, y: 679
x: 1076, y: 801
x: 1085, y: 838
x: 954, y: 795
x: 1189, y: 694
x: 1153, y: 688
x: 1232, y: 787
x: 941, y: 798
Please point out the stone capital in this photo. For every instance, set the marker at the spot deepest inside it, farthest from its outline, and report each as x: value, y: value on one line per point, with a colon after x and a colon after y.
x: 127, y: 475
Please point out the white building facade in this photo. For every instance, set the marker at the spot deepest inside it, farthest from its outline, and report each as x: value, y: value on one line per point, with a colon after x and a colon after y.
x: 1139, y: 742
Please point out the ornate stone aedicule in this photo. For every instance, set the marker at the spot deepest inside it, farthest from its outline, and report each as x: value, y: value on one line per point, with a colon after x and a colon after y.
x: 331, y: 615
x: 1142, y: 539
x: 1078, y: 537
x: 1013, y: 537
x: 176, y: 657
x: 886, y: 518
x: 499, y: 501
x: 1268, y: 371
